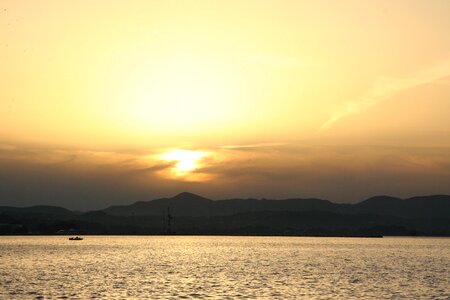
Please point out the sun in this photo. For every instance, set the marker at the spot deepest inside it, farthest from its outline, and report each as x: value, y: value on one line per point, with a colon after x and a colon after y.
x: 186, y: 160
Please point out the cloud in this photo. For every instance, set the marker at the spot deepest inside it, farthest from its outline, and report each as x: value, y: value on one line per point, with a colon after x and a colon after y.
x: 156, y: 167
x: 78, y: 179
x: 7, y: 147
x: 253, y: 146
x: 384, y: 88
x: 337, y: 173
x: 84, y: 179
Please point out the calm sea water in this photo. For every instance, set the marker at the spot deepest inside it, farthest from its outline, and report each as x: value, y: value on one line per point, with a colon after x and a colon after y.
x: 224, y: 267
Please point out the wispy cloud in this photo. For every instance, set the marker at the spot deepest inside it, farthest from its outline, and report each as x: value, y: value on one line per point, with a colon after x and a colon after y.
x: 384, y: 88
x: 252, y: 146
x: 156, y: 167
x: 7, y: 147
x: 95, y: 179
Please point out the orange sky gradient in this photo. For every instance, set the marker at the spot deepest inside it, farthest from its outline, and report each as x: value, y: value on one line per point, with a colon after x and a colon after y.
x: 107, y: 102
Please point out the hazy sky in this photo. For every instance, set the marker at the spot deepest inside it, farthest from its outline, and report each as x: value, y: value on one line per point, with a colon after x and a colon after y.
x: 106, y: 102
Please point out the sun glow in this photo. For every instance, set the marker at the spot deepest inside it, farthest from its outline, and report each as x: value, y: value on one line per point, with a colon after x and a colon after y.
x: 183, y: 93
x: 186, y: 160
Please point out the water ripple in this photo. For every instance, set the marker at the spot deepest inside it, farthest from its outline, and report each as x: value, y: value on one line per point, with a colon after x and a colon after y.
x: 179, y: 267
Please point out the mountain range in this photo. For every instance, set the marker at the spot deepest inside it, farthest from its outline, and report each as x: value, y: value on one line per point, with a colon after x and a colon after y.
x: 188, y: 204
x: 194, y: 214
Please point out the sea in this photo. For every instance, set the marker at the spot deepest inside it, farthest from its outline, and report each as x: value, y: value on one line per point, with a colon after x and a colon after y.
x: 222, y: 267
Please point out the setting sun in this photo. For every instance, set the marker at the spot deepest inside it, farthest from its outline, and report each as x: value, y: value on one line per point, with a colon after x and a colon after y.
x: 186, y: 160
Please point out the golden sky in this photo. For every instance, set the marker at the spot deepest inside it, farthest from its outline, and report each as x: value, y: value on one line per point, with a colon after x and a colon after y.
x: 334, y: 99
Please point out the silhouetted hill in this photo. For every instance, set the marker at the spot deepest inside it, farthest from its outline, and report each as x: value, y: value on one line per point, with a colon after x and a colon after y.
x: 38, y: 209
x: 191, y: 198
x: 437, y: 206
x: 193, y: 214
x: 35, y: 219
x: 187, y: 204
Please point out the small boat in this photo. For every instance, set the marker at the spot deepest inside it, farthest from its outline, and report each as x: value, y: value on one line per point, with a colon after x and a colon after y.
x: 76, y: 238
